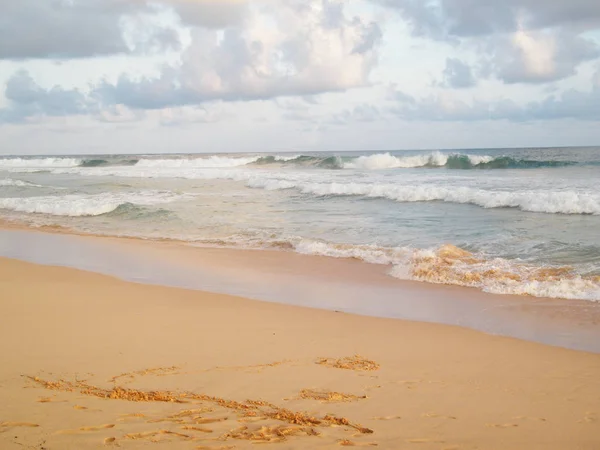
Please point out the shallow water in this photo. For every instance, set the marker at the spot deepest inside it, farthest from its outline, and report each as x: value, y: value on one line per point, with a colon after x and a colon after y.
x: 341, y: 285
x: 519, y: 221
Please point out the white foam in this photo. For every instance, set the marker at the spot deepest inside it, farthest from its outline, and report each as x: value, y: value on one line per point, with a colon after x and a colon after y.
x: 495, y: 275
x: 562, y: 202
x: 286, y: 158
x: 210, y: 162
x: 86, y: 205
x: 369, y: 253
x: 31, y: 164
x: 388, y: 161
x: 17, y: 183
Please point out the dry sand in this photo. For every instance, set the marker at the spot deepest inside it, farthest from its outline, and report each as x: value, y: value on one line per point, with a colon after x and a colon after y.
x: 89, y: 361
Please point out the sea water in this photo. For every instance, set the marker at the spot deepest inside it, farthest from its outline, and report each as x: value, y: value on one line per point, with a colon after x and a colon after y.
x: 513, y: 221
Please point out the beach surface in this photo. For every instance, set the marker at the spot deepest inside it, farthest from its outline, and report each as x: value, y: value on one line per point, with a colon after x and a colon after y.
x: 90, y: 361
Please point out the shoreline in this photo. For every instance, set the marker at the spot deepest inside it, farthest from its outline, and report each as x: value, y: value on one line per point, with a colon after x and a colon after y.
x: 257, y: 372
x: 314, y: 281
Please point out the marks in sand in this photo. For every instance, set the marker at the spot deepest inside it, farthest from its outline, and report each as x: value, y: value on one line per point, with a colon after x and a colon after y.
x: 128, y: 377
x: 355, y: 362
x: 328, y: 396
x: 5, y: 426
x: 212, y: 419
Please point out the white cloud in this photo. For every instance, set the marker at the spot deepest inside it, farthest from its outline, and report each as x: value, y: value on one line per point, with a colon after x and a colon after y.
x: 292, y: 48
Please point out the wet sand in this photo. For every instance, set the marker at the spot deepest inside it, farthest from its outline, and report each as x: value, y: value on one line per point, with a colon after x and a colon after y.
x: 90, y: 361
x: 305, y: 280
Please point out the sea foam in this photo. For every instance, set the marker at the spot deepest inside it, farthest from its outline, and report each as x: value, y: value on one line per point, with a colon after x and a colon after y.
x: 87, y: 205
x: 17, y: 183
x: 561, y: 202
x: 37, y: 163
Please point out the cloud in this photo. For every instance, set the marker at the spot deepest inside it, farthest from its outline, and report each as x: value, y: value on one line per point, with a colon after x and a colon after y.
x: 537, y: 56
x: 65, y: 29
x: 189, y: 115
x: 292, y: 49
x: 517, y: 41
x: 458, y: 74
x: 209, y: 13
x: 444, y: 19
x: 571, y: 104
x: 29, y: 101
x: 360, y: 113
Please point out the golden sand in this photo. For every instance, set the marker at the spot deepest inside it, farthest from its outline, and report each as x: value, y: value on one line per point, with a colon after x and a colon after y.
x: 92, y: 362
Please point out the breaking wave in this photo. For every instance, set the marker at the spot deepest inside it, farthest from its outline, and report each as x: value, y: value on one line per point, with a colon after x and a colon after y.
x: 87, y: 205
x: 208, y: 163
x: 107, y: 162
x: 447, y: 264
x: 380, y: 161
x: 559, y: 202
x: 17, y: 183
x: 37, y: 163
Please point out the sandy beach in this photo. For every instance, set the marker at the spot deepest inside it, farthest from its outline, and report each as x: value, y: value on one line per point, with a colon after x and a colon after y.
x: 91, y: 361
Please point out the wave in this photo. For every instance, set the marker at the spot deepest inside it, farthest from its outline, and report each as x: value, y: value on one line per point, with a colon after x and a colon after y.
x: 108, y: 162
x: 17, y: 183
x: 380, y: 161
x: 197, y: 163
x: 438, y: 159
x: 449, y: 161
x: 87, y: 205
x: 559, y: 202
x: 38, y: 163
x: 453, y: 265
x: 539, y: 201
x: 446, y: 264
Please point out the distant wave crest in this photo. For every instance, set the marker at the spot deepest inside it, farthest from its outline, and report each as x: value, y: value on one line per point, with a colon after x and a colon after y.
x: 560, y: 202
x: 87, y: 205
x: 379, y: 161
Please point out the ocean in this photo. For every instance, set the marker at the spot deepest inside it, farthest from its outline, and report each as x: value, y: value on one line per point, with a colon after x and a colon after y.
x: 506, y: 221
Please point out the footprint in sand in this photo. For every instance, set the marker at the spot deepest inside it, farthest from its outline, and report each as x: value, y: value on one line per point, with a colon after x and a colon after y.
x: 424, y: 441
x: 131, y: 417
x: 87, y: 429
x: 203, y: 447
x: 590, y: 417
x: 540, y: 419
x: 502, y: 425
x: 50, y: 400
x: 7, y: 425
x: 347, y: 443
x: 158, y: 436
x: 189, y: 427
x: 433, y: 415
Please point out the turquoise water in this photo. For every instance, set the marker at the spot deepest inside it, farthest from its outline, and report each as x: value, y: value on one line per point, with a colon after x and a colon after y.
x: 524, y: 221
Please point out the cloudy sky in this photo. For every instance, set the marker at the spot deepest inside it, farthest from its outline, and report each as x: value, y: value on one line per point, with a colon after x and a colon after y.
x: 114, y: 76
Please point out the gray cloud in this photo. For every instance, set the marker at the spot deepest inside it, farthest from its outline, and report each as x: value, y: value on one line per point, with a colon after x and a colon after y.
x: 315, y: 52
x: 209, y: 13
x: 536, y: 57
x: 571, y: 104
x: 246, y: 63
x: 360, y: 113
x: 444, y: 19
x: 64, y: 29
x: 458, y: 74
x: 518, y: 41
x: 28, y: 100
x: 41, y: 29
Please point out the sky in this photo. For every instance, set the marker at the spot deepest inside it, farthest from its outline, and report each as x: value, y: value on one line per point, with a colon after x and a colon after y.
x: 181, y: 76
